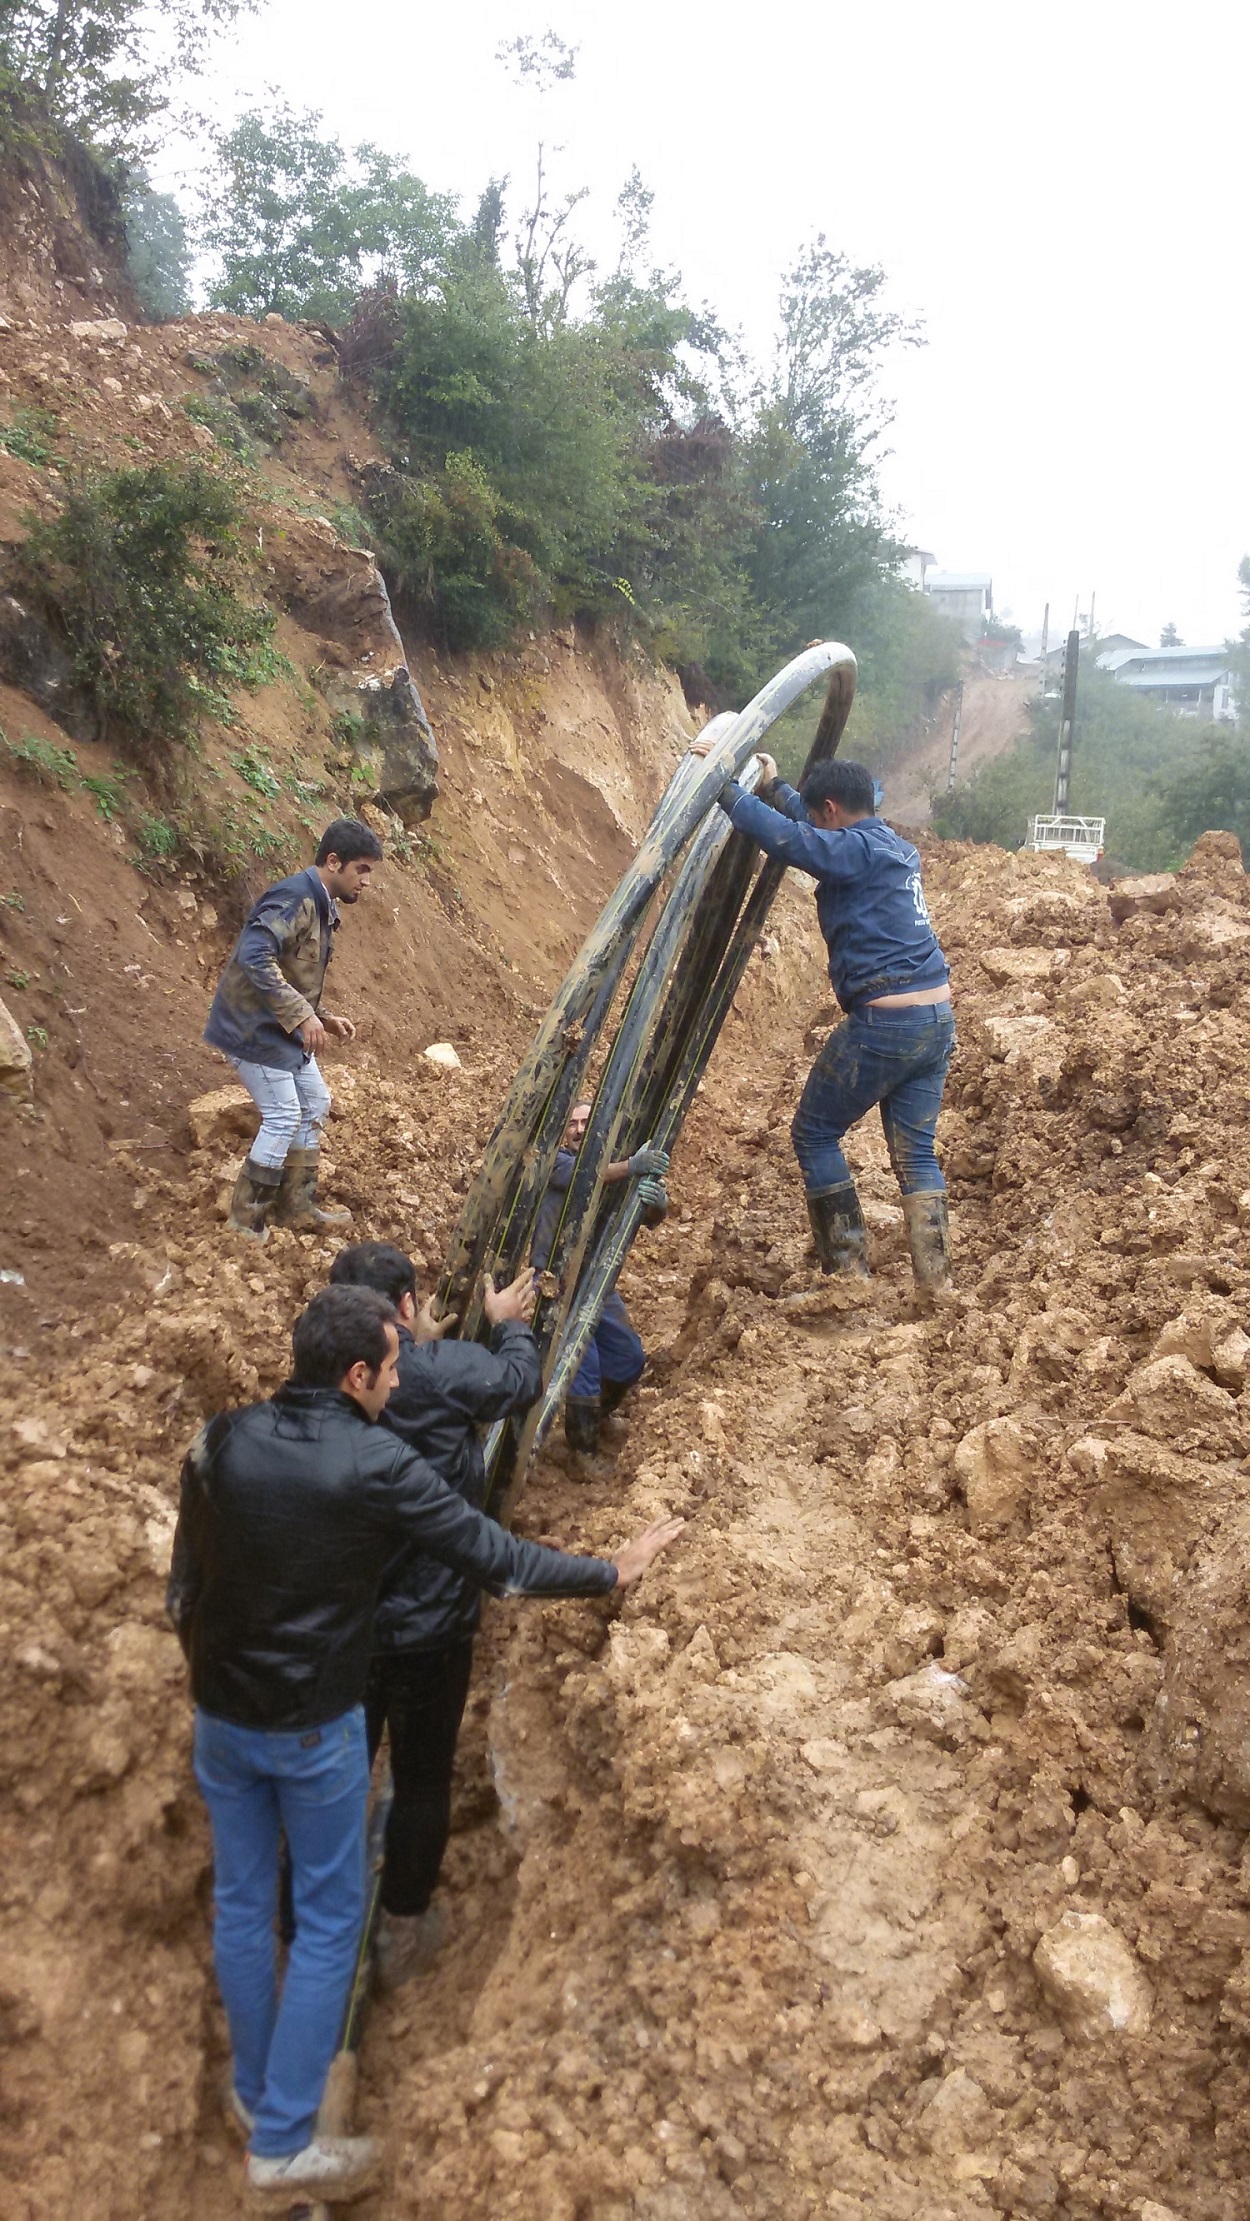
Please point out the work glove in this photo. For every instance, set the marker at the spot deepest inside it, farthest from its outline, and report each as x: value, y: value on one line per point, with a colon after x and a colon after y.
x: 655, y: 1196
x: 648, y: 1162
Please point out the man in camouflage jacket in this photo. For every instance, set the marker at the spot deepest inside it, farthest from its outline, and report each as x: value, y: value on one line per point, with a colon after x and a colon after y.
x: 265, y: 1017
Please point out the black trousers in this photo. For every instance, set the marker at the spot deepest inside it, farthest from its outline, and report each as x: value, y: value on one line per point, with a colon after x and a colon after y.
x: 418, y: 1696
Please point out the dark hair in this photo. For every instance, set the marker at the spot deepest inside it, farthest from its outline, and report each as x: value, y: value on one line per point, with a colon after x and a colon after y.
x: 340, y: 1328
x: 347, y: 839
x: 378, y: 1265
x: 850, y: 785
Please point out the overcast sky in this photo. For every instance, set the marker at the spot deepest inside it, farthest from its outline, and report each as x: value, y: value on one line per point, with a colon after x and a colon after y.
x: 1058, y: 192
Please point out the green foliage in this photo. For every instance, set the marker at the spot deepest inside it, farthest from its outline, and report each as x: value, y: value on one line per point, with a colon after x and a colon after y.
x: 15, y: 977
x: 55, y: 766
x: 37, y: 1036
x: 104, y: 69
x: 158, y: 253
x: 109, y: 789
x: 256, y: 772
x: 158, y: 839
x: 300, y: 227
x: 30, y: 436
x: 143, y: 569
x: 222, y: 420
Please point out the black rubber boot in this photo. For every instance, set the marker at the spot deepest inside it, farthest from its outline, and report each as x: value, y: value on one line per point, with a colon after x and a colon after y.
x: 612, y: 1395
x: 839, y: 1232
x: 927, y: 1221
x: 255, y: 1191
x: 581, y: 1424
x: 297, y: 1205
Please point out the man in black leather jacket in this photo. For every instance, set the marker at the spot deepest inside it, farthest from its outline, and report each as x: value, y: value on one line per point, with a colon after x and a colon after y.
x: 290, y: 1512
x: 428, y: 1614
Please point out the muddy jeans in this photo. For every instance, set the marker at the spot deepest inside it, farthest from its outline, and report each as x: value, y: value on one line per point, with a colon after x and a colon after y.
x: 615, y: 1353
x: 895, y: 1058
x: 293, y: 1108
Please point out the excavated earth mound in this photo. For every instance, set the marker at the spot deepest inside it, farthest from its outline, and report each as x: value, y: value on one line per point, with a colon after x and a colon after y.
x: 882, y: 1853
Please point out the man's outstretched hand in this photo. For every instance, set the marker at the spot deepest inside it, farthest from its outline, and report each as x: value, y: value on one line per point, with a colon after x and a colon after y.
x: 341, y: 1028
x: 633, y: 1560
x: 313, y: 1034
x: 427, y: 1328
x: 516, y: 1301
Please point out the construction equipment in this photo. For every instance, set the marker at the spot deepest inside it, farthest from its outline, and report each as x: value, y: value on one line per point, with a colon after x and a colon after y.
x: 706, y: 895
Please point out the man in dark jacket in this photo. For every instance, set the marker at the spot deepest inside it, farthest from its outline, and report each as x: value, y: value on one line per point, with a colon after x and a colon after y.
x: 266, y: 1018
x: 615, y: 1356
x: 290, y: 1513
x: 892, y: 980
x: 428, y: 1614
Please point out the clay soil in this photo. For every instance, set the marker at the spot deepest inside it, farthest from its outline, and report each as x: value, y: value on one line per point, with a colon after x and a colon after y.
x: 749, y: 1873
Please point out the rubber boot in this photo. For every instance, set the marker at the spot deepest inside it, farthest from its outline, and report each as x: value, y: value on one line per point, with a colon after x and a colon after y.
x: 255, y: 1192
x: 581, y: 1424
x: 297, y: 1205
x: 839, y: 1232
x: 927, y: 1221
x: 613, y: 1394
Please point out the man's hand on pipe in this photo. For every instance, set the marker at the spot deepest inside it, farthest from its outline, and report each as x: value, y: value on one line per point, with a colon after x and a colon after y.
x: 516, y: 1301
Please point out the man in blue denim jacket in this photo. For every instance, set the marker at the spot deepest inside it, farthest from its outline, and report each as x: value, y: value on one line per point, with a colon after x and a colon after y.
x: 266, y: 1018
x: 892, y: 980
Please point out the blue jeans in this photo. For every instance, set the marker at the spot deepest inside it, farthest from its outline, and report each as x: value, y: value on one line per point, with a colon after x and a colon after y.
x: 293, y: 1108
x: 315, y: 1785
x: 616, y: 1352
x: 897, y: 1058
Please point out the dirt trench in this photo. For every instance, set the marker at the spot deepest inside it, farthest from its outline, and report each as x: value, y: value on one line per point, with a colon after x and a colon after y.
x: 750, y: 1875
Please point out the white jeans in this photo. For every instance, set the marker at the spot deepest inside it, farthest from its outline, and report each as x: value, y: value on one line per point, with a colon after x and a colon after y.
x: 293, y: 1107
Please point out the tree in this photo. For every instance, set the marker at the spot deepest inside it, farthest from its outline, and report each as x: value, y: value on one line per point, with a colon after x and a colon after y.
x: 158, y: 254
x: 302, y: 228
x: 104, y: 69
x: 549, y: 258
x: 1170, y: 637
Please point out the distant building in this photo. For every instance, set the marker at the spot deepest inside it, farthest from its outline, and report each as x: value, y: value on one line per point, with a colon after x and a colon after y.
x: 916, y: 565
x: 967, y: 596
x: 1194, y: 682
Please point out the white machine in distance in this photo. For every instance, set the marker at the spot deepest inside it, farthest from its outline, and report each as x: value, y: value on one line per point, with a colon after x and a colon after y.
x: 1081, y: 838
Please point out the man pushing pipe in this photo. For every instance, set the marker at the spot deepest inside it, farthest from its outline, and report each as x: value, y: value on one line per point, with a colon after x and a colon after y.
x: 290, y: 1513
x: 893, y: 982
x: 615, y: 1356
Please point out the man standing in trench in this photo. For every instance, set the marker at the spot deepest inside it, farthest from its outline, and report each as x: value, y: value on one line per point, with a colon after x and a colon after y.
x: 429, y: 1613
x: 266, y: 1018
x: 615, y: 1356
x: 290, y: 1512
x: 893, y: 982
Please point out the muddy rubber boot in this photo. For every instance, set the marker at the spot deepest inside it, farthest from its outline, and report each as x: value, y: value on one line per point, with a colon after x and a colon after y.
x: 927, y: 1221
x: 612, y: 1395
x: 582, y: 1415
x: 255, y: 1192
x: 297, y: 1205
x: 408, y: 1944
x: 838, y: 1231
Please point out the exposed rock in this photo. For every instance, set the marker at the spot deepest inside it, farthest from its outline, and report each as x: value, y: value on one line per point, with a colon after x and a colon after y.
x: 221, y: 1119
x: 1154, y: 892
x: 1171, y: 1400
x: 992, y: 1463
x: 1092, y: 1978
x: 443, y: 1055
x: 1017, y: 967
x: 109, y: 328
x: 15, y: 1057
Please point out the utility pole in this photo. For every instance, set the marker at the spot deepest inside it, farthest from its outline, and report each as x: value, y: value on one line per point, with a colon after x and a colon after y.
x: 1045, y: 644
x: 1089, y: 633
x: 959, y: 710
x: 1067, y: 720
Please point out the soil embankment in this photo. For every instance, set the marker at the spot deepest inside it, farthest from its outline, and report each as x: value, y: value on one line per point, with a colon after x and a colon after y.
x: 993, y: 716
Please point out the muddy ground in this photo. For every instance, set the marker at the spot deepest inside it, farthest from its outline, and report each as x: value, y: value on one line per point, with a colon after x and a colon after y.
x: 750, y: 1874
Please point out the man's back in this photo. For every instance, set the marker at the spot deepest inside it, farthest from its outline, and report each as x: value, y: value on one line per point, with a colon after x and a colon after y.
x: 447, y: 1390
